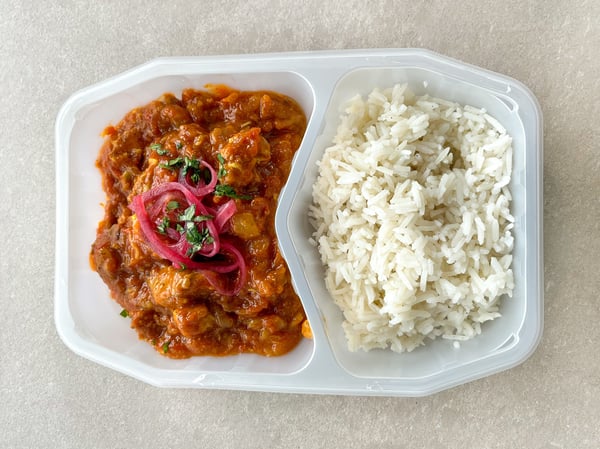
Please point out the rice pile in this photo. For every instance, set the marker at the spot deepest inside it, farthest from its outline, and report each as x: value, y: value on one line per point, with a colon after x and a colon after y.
x: 412, y: 220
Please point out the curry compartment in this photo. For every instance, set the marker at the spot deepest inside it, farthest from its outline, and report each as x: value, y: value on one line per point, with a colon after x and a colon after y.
x: 232, y: 151
x: 89, y: 321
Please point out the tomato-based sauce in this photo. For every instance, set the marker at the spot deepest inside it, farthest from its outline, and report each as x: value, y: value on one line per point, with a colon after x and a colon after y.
x: 157, y: 245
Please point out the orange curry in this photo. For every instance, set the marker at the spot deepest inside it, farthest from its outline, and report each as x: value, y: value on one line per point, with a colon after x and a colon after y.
x: 187, y: 245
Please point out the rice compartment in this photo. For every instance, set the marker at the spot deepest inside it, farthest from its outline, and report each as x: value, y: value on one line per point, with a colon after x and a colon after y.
x: 411, y: 211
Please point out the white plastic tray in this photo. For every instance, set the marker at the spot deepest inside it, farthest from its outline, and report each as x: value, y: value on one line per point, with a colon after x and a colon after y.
x: 88, y: 320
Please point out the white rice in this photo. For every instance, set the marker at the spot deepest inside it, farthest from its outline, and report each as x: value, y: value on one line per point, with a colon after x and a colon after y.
x: 412, y: 220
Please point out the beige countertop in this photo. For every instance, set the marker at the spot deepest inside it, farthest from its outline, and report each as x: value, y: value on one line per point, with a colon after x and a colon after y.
x: 53, y: 398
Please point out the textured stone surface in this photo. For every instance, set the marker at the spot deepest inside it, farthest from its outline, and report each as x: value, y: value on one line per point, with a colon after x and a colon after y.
x: 52, y: 398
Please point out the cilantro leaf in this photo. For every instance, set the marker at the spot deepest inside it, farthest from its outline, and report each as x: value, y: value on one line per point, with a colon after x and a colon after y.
x: 197, y: 238
x: 189, y: 164
x: 124, y: 313
x: 159, y: 149
x: 165, y: 347
x: 188, y: 214
x: 163, y: 225
x: 171, y: 205
x: 172, y: 164
x: 222, y: 172
x: 199, y: 218
x: 227, y: 190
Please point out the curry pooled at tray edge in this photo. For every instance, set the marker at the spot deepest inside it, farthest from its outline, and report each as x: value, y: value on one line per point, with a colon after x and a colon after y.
x: 187, y: 245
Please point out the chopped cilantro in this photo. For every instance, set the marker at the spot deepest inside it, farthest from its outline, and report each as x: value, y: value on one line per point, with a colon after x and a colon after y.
x: 227, y: 190
x: 222, y: 172
x: 163, y: 225
x: 195, y: 177
x: 171, y: 205
x: 188, y: 166
x: 124, y: 313
x: 199, y: 218
x: 188, y: 214
x: 159, y: 149
x: 165, y: 347
x: 172, y: 164
x: 197, y: 238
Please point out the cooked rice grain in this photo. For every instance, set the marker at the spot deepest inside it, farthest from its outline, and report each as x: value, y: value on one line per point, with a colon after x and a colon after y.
x: 412, y: 220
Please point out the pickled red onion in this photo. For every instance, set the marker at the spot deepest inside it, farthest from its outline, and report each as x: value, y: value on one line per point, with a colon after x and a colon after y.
x: 219, y: 257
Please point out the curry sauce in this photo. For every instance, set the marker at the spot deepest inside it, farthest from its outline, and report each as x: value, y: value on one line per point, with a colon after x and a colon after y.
x: 242, y: 145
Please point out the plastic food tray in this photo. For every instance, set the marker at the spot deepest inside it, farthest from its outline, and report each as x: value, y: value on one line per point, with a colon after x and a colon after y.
x: 88, y: 320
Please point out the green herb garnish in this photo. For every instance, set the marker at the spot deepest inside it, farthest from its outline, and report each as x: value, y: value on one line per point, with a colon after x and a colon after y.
x: 222, y: 172
x: 188, y: 214
x: 196, y: 172
x: 188, y: 166
x: 197, y: 238
x: 124, y: 313
x: 227, y: 190
x: 179, y: 145
x: 171, y: 205
x: 172, y: 164
x: 165, y: 347
x: 159, y: 149
x: 163, y: 225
